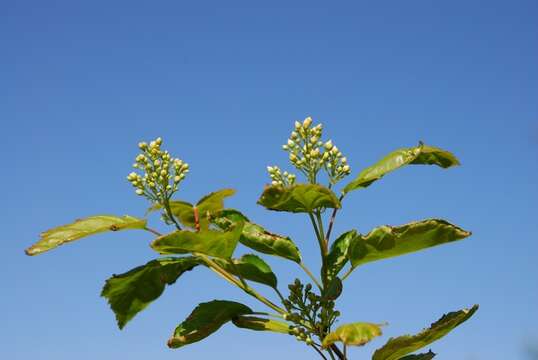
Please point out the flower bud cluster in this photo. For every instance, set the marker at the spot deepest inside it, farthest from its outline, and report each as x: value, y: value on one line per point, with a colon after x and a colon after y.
x: 161, y: 174
x: 309, y: 154
x: 279, y: 178
x: 335, y: 163
x: 311, y: 313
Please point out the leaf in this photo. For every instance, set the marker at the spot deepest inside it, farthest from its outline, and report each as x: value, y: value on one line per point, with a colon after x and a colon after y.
x: 256, y: 237
x: 250, y: 267
x: 337, y: 257
x: 298, y: 198
x: 426, y: 356
x: 358, y: 334
x: 398, y: 347
x: 334, y: 289
x: 133, y: 291
x: 207, y: 205
x: 260, y: 324
x: 418, y: 155
x: 209, y: 242
x: 205, y: 319
x: 60, y: 235
x: 387, y: 241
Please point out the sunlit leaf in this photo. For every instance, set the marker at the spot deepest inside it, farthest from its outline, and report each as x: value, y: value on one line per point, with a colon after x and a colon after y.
x: 298, y: 198
x: 250, y: 267
x: 389, y: 241
x: 257, y: 238
x: 260, y: 324
x: 57, y: 236
x: 186, y: 213
x: 209, y: 242
x: 426, y: 356
x: 357, y: 334
x: 337, y: 257
x: 398, y: 347
x: 419, y: 155
x: 205, y: 319
x: 133, y: 291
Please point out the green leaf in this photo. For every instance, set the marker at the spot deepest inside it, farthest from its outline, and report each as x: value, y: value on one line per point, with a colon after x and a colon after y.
x: 207, y: 205
x: 250, y: 267
x: 205, y: 319
x: 334, y: 289
x: 213, y: 243
x: 57, y: 236
x: 260, y: 324
x: 256, y: 237
x: 398, y: 347
x: 298, y: 198
x: 387, y: 241
x: 418, y: 155
x: 337, y: 257
x: 358, y: 334
x: 426, y: 356
x: 133, y: 291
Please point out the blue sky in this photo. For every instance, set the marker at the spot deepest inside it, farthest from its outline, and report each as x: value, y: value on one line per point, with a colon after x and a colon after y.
x: 83, y: 82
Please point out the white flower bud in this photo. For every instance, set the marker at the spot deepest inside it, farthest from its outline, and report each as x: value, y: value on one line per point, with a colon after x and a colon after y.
x: 325, y: 155
x: 182, y: 176
x: 158, y: 141
x: 269, y: 169
x: 343, y: 160
x: 284, y: 147
x: 177, y: 178
x: 152, y: 144
x: 156, y: 163
x: 291, y: 143
x: 346, y: 168
x: 142, y: 145
x: 185, y: 166
x: 328, y: 145
x: 274, y: 183
x: 297, y: 125
x: 307, y: 122
x: 294, y: 135
x: 168, y: 187
x: 334, y: 150
x: 293, y: 157
x: 164, y: 173
x: 139, y: 192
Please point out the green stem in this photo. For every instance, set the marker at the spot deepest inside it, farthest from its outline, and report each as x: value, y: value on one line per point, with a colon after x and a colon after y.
x: 154, y: 232
x: 321, y: 247
x: 348, y: 273
x: 229, y: 277
x: 166, y: 203
x: 309, y: 273
x: 319, y: 351
x: 331, y: 221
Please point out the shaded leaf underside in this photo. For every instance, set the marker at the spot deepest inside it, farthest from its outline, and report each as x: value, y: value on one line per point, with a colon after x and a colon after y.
x: 300, y: 198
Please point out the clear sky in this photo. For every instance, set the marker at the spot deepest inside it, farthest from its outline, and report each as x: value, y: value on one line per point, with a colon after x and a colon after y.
x: 81, y: 82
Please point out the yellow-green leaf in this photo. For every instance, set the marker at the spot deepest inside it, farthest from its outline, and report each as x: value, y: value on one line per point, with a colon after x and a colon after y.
x: 389, y: 241
x: 133, y: 291
x: 337, y: 257
x: 209, y: 242
x: 298, y: 198
x: 205, y: 319
x: 357, y: 334
x: 419, y: 155
x: 250, y: 267
x: 256, y: 237
x: 260, y: 324
x: 57, y: 236
x: 398, y: 347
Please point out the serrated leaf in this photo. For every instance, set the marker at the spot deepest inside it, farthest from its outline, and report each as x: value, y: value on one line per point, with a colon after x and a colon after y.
x: 398, y: 347
x: 337, y: 257
x: 257, y: 238
x: 209, y: 242
x: 205, y: 319
x: 250, y: 267
x: 260, y: 324
x: 81, y: 228
x: 426, y: 356
x: 298, y: 198
x: 357, y: 334
x: 390, y: 241
x: 418, y: 155
x: 133, y: 291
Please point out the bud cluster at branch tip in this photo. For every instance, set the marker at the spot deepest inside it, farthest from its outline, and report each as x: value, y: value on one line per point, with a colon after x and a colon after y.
x: 309, y: 154
x: 161, y: 174
x: 279, y: 178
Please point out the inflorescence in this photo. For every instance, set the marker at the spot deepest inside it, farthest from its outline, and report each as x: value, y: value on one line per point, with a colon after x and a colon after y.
x: 162, y: 173
x: 309, y: 155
